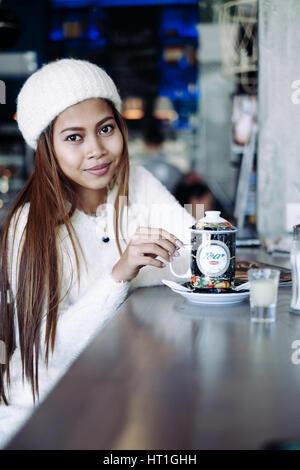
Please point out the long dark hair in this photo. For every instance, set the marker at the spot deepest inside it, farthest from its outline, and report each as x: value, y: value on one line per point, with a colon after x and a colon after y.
x: 38, y: 279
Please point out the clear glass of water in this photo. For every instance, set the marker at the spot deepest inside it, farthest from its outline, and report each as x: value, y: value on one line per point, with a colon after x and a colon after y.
x: 263, y: 294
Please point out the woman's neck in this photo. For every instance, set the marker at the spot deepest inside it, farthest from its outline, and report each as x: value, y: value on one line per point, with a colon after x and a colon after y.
x: 89, y: 201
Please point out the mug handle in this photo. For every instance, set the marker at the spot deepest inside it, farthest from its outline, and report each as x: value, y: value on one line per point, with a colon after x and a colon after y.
x: 188, y: 273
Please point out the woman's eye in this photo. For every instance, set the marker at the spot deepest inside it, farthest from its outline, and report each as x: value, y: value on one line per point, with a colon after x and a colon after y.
x: 106, y: 129
x: 73, y: 138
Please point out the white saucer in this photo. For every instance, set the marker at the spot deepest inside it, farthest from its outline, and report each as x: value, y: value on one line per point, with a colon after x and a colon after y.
x: 212, y: 299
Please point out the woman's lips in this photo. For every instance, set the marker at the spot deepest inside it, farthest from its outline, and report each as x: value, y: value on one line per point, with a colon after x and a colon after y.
x: 99, y: 171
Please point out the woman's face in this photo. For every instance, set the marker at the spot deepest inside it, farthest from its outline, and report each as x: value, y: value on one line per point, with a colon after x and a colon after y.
x: 88, y: 144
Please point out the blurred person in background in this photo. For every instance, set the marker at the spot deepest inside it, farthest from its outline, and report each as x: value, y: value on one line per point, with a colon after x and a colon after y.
x: 193, y: 192
x: 155, y: 162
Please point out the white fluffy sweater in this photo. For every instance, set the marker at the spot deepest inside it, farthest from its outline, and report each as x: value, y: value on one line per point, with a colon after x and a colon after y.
x: 88, y: 306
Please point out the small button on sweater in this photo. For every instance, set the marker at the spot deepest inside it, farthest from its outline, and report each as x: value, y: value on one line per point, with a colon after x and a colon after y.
x: 86, y: 307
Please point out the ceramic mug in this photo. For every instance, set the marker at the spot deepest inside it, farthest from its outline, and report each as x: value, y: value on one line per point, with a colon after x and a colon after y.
x: 212, y: 253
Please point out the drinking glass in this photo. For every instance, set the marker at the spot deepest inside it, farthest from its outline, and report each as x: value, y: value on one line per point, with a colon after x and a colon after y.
x: 263, y: 294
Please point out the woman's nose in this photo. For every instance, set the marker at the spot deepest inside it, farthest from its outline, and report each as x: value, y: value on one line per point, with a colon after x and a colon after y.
x: 95, y: 148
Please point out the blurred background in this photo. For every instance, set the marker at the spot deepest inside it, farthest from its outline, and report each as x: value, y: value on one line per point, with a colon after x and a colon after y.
x: 188, y: 74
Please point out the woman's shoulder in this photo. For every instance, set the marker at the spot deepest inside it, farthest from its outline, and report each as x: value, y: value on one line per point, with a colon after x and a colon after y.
x: 22, y: 211
x: 143, y: 185
x: 141, y: 180
x: 19, y: 218
x: 139, y: 174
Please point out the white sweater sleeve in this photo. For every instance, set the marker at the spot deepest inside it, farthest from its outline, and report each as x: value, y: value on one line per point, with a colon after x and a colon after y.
x: 162, y: 211
x: 76, y: 326
x: 79, y: 322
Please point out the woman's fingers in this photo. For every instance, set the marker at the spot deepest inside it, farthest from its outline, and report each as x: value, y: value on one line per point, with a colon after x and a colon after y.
x: 166, y: 245
x: 157, y: 233
x: 160, y: 236
x: 149, y: 249
x: 146, y: 244
x: 148, y: 261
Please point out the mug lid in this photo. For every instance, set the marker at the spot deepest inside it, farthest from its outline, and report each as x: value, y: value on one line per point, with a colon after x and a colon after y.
x: 213, y: 221
x: 212, y: 216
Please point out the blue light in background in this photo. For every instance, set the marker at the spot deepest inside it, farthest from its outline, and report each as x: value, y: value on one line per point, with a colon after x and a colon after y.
x: 93, y: 34
x: 118, y: 3
x: 189, y: 32
x: 182, y: 21
x: 56, y: 35
x: 72, y: 3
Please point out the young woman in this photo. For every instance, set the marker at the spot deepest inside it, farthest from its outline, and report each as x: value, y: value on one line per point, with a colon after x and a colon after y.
x: 85, y: 229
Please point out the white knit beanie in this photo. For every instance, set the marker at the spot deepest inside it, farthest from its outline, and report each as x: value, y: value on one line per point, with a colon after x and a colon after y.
x: 55, y: 87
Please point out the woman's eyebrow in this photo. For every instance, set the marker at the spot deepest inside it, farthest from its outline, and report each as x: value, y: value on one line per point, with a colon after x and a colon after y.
x: 82, y: 128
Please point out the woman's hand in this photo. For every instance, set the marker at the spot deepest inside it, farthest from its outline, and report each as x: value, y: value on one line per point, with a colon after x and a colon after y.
x: 146, y: 244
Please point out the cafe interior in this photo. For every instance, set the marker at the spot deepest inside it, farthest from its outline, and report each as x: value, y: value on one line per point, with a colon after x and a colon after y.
x: 209, y: 92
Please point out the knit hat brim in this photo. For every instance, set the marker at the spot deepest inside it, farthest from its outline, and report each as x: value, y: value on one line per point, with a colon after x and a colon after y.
x: 54, y: 88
